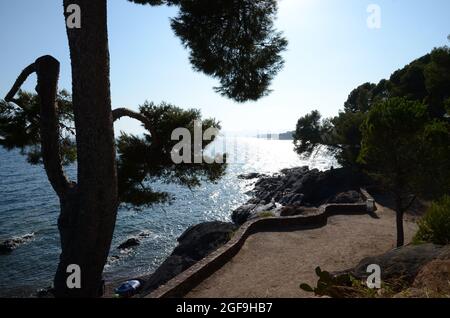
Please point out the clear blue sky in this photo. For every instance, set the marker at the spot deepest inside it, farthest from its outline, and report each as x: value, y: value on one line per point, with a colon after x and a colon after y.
x: 331, y: 51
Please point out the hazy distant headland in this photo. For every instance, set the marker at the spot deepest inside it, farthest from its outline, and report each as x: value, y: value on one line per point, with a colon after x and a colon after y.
x: 289, y: 135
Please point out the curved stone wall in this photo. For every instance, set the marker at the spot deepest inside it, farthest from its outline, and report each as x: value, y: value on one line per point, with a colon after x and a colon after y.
x: 190, y: 278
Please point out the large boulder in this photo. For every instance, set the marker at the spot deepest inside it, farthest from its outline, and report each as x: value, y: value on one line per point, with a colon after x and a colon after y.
x: 434, y: 278
x: 252, y: 211
x: 301, y: 186
x: 318, y: 187
x: 347, y: 197
x: 401, y: 263
x: 200, y: 240
x: 292, y: 199
x: 241, y: 214
x: 193, y: 245
x: 170, y: 268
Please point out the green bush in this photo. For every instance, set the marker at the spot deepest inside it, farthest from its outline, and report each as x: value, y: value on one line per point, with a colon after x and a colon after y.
x: 435, y: 225
x: 266, y: 214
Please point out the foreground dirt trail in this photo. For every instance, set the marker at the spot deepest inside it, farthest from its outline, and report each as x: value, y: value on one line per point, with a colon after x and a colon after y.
x: 275, y: 264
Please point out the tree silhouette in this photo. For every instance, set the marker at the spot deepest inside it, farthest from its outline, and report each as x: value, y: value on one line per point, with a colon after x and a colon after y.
x: 425, y: 80
x: 231, y: 40
x: 406, y: 152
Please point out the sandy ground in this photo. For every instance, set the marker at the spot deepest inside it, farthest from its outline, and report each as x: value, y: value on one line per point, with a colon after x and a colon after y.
x: 274, y: 264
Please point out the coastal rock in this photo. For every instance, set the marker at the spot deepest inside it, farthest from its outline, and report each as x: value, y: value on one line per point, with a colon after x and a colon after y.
x: 416, y: 271
x: 241, y: 214
x: 250, y: 176
x: 144, y: 234
x: 47, y: 292
x: 301, y: 186
x: 170, y: 268
x: 404, y: 263
x: 252, y: 211
x: 8, y: 246
x: 199, y: 240
x: 134, y: 241
x: 297, y: 210
x: 129, y: 243
x: 347, y: 197
x: 434, y: 278
x: 193, y: 245
x: 293, y: 199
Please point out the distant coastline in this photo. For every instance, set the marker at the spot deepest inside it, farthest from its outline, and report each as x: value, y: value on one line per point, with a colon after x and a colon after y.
x: 289, y: 135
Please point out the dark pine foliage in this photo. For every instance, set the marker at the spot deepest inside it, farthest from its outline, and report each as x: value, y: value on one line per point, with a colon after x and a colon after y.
x: 232, y: 40
x: 142, y: 160
x: 20, y: 126
x: 425, y: 80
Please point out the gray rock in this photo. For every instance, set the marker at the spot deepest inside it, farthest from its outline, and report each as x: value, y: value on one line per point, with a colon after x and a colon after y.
x: 129, y: 243
x: 404, y: 263
x: 264, y: 208
x: 199, y: 240
x: 255, y: 213
x: 347, y: 197
x: 290, y: 198
x: 8, y: 246
x: 47, y: 292
x: 250, y: 176
x: 193, y: 245
x: 241, y: 214
x: 170, y: 268
x: 252, y: 211
x: 315, y: 187
x: 297, y: 210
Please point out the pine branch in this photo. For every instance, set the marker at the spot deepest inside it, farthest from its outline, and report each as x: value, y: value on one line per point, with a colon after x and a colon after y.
x: 125, y: 112
x: 47, y: 70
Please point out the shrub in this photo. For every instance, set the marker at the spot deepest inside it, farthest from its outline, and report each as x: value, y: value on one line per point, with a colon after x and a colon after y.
x: 266, y: 214
x: 435, y: 225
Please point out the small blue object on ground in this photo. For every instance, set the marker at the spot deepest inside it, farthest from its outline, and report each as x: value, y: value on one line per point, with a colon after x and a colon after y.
x: 128, y: 288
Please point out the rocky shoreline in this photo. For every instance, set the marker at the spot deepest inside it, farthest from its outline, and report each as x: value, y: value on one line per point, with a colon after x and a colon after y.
x: 289, y: 192
x: 8, y: 246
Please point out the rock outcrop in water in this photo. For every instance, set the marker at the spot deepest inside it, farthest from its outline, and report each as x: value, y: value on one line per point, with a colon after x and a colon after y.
x: 8, y: 246
x: 300, y: 187
x: 129, y: 243
x: 250, y: 176
x: 193, y: 245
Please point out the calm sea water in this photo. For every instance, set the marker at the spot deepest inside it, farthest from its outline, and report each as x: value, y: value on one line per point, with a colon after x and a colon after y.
x: 28, y: 205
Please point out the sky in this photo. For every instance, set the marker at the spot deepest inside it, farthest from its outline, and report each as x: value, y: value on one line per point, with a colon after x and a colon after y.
x: 332, y: 50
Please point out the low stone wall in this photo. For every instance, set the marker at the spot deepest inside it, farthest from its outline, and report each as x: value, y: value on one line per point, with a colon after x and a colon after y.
x: 193, y: 276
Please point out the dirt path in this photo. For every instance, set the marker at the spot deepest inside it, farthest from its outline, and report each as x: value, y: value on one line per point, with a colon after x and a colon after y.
x: 275, y: 264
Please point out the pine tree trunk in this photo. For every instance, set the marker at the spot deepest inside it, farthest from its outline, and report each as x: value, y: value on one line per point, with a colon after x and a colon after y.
x: 399, y: 220
x: 88, y: 212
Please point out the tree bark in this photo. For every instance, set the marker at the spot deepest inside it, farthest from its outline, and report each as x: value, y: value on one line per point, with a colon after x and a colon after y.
x: 88, y: 214
x: 399, y: 211
x: 47, y: 71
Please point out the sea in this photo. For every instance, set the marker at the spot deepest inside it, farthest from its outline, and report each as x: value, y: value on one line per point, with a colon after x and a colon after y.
x: 28, y: 205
